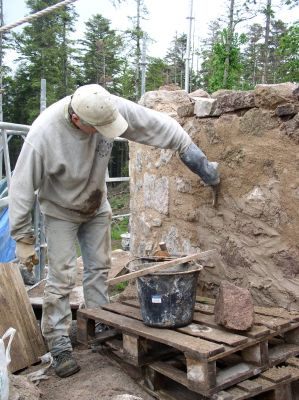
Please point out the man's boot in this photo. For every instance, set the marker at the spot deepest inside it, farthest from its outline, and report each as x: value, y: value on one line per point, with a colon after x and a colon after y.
x: 65, y: 365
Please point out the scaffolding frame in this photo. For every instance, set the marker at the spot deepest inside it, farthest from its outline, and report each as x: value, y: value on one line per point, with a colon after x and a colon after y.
x: 7, y: 131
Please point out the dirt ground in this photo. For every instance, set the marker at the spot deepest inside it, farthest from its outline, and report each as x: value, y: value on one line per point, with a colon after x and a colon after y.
x: 100, y: 377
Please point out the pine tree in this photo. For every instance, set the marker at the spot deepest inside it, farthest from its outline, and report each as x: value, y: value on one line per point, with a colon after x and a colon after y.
x: 157, y: 71
x: 44, y: 51
x: 101, y: 60
x: 175, y: 58
x: 252, y: 56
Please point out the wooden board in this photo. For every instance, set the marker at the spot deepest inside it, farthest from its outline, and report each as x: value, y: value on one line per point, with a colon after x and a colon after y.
x: 159, y: 267
x: 16, y: 312
x: 193, y: 329
x: 197, y: 347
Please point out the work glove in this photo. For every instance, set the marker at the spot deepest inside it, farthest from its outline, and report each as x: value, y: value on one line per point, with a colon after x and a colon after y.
x: 25, y: 252
x: 198, y: 163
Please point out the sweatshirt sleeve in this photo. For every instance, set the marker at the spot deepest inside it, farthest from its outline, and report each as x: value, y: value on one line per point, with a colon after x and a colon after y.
x: 25, y: 181
x: 151, y: 127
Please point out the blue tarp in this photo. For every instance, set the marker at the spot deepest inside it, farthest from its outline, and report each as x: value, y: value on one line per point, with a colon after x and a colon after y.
x: 7, y: 244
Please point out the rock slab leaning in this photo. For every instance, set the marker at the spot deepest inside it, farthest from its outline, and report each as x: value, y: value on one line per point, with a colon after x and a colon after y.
x: 234, y: 307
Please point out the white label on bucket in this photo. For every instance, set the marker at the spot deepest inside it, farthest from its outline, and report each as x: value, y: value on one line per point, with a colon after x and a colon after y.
x: 156, y: 298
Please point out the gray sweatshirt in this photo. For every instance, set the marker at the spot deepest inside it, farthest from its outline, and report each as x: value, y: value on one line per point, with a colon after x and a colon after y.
x: 67, y: 167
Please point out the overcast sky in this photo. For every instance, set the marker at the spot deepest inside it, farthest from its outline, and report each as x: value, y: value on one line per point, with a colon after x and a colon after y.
x: 165, y: 18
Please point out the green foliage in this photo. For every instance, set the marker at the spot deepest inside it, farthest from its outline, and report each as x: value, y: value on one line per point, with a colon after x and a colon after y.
x: 119, y: 226
x: 175, y: 58
x: 156, y: 73
x: 289, y: 51
x: 45, y: 52
x: 216, y: 64
x: 100, y: 58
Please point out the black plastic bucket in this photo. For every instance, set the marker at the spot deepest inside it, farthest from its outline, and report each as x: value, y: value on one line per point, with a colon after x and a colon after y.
x: 167, y: 298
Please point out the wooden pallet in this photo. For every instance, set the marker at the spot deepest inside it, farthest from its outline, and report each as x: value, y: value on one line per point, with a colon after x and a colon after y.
x: 210, y: 357
x: 276, y: 383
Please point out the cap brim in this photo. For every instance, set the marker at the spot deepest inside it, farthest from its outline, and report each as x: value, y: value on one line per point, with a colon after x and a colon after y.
x: 114, y: 129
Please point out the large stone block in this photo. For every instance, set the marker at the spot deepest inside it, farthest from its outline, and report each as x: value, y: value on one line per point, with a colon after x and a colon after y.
x: 234, y: 307
x: 233, y: 100
x: 203, y: 107
x: 270, y: 96
x: 165, y: 100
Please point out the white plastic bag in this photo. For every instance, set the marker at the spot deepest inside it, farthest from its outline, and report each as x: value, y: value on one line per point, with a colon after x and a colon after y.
x: 4, y: 362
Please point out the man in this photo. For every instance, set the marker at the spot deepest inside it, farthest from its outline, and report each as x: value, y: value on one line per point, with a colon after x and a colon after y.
x: 64, y: 158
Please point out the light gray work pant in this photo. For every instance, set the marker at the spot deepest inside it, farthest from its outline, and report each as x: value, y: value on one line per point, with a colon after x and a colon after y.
x: 95, y: 243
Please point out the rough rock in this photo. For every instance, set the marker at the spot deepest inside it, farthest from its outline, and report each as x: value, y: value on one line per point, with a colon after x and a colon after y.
x: 291, y: 128
x: 255, y: 227
x: 156, y: 193
x: 186, y: 110
x: 270, y: 96
x: 199, y: 93
x: 170, y: 87
x: 286, y: 110
x: 203, y: 107
x: 220, y: 92
x: 256, y: 122
x: 20, y: 388
x: 233, y: 100
x: 234, y: 307
x: 165, y: 100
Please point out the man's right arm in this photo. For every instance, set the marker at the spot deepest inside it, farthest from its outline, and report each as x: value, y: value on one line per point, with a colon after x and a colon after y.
x: 26, y: 179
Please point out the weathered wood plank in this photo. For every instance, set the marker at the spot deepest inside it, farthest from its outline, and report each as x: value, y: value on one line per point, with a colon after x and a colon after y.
x: 16, y: 312
x: 293, y: 361
x: 277, y: 374
x: 199, y: 348
x: 198, y: 330
x: 159, y: 267
x: 214, y: 334
x: 271, y: 322
x: 277, y: 312
x: 250, y: 386
x: 281, y: 352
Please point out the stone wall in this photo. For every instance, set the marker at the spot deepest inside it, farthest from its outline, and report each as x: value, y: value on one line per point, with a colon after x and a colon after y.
x: 254, y: 136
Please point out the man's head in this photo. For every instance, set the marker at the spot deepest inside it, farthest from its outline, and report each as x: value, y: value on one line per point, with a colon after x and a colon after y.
x: 93, y: 108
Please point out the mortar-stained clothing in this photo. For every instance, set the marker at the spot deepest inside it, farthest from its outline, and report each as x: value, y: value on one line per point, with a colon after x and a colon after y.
x: 67, y: 167
x: 95, y: 242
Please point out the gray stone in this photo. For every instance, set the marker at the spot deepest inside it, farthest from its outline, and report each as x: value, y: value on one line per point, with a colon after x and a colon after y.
x: 257, y: 122
x: 165, y: 157
x: 183, y: 186
x: 165, y: 100
x: 270, y: 96
x: 186, y: 110
x: 286, y: 110
x: 203, y: 107
x: 234, y: 100
x: 234, y: 307
x: 220, y: 92
x: 291, y: 128
x: 156, y: 193
x: 199, y: 93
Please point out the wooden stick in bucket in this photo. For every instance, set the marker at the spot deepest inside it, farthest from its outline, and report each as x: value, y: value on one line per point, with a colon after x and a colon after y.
x: 159, y: 266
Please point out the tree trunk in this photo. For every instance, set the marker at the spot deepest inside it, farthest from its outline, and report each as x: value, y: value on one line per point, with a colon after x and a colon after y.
x: 266, y: 44
x: 228, y: 44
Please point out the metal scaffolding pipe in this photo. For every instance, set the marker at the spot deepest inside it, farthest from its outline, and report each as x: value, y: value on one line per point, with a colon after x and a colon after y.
x: 188, y: 48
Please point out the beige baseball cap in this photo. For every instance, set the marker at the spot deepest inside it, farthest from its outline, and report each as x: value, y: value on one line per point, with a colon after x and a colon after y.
x: 95, y: 105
